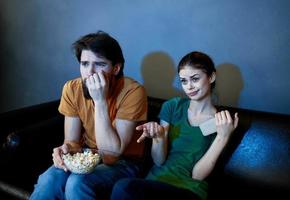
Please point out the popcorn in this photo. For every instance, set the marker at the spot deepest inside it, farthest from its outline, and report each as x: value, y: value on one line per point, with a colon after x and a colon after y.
x: 81, y: 163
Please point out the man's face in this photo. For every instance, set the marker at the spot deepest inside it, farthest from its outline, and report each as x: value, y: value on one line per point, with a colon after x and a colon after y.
x: 91, y: 63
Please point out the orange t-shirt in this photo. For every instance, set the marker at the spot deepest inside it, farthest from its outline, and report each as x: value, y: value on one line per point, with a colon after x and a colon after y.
x: 127, y: 101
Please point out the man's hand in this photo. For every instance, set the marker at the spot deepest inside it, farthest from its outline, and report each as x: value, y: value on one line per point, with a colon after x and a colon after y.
x: 97, y: 85
x: 59, y: 151
x: 150, y: 130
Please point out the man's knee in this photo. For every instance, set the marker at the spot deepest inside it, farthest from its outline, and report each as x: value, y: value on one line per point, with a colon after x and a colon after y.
x: 49, y: 184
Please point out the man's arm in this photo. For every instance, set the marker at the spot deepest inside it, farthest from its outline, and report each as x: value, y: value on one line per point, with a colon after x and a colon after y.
x: 72, y: 135
x: 72, y: 130
x: 110, y: 139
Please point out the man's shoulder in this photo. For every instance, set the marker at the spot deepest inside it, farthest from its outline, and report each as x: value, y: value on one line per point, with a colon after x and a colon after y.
x: 130, y: 82
x: 131, y: 91
x: 73, y: 87
x: 131, y: 85
x: 77, y: 82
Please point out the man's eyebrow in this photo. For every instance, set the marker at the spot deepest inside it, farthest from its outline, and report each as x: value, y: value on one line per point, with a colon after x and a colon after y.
x: 101, y: 63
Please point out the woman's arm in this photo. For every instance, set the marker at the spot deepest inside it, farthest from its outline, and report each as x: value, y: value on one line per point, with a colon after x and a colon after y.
x: 225, y: 126
x: 159, y: 135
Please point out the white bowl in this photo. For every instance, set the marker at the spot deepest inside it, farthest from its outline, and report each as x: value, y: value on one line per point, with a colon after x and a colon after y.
x: 81, y: 163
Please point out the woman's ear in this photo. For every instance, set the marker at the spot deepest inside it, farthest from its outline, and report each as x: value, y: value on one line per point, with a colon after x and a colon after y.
x: 212, y: 77
x: 116, y: 69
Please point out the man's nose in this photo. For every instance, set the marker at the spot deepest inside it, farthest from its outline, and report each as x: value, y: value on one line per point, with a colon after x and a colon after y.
x: 92, y: 69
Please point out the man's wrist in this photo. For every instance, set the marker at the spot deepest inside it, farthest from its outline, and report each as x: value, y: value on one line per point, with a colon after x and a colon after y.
x: 73, y: 144
x: 100, y: 103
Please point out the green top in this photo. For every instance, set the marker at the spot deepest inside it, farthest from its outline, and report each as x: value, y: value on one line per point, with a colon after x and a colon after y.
x: 186, y: 146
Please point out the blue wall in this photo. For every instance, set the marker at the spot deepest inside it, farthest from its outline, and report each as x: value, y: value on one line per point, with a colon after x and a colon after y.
x: 248, y: 40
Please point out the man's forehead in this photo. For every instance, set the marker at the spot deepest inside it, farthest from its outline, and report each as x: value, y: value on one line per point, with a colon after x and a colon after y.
x: 88, y: 54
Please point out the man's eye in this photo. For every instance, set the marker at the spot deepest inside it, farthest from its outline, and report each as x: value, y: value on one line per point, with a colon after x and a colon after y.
x: 84, y: 64
x: 100, y: 65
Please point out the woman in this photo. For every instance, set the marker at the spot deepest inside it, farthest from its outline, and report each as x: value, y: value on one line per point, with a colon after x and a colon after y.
x: 183, y: 154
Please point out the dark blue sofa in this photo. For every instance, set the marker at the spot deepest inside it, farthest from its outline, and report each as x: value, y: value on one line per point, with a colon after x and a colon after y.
x: 255, y: 164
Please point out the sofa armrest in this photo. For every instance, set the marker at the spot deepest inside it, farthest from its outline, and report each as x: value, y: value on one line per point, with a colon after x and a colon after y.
x: 18, y: 119
x: 26, y: 153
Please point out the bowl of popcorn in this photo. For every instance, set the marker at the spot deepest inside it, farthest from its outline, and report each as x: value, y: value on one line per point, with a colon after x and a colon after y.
x: 81, y: 162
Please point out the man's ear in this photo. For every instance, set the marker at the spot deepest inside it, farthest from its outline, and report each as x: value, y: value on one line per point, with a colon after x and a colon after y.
x: 116, y: 68
x: 212, y: 77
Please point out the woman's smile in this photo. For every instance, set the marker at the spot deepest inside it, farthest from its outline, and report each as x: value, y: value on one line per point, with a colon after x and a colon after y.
x: 191, y: 94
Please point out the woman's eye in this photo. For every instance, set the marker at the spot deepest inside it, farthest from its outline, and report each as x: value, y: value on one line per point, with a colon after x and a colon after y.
x: 195, y: 79
x: 183, y: 82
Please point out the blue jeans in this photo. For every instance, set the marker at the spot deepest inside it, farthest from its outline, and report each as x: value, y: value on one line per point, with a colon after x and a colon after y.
x: 55, y: 183
x: 141, y: 189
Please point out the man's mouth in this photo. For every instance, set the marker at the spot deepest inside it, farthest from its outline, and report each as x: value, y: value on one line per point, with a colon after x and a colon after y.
x: 86, y: 91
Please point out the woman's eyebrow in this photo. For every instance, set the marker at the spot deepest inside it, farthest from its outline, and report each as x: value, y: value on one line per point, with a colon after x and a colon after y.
x: 193, y: 76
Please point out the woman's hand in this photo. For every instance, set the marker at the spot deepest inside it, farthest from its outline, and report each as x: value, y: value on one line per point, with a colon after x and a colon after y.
x: 59, y: 151
x: 225, y: 124
x: 151, y: 130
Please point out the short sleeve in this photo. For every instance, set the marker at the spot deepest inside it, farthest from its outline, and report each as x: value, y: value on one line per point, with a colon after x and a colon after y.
x: 134, y: 105
x: 67, y: 104
x: 167, y: 110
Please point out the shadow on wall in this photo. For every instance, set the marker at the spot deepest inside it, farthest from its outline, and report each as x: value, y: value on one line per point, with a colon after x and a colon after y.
x: 159, y: 71
x: 229, y: 85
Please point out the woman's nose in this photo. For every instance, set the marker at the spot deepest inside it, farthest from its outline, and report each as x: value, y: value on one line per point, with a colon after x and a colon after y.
x: 190, y: 85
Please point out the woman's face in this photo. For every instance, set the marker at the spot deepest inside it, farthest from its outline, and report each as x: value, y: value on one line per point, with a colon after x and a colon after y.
x: 195, y: 83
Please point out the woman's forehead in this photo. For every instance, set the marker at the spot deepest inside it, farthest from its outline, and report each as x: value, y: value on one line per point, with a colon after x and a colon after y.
x: 189, y: 71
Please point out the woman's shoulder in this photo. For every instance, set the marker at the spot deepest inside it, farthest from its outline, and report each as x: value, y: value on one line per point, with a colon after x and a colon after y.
x: 174, y: 109
x: 176, y: 104
x: 177, y: 101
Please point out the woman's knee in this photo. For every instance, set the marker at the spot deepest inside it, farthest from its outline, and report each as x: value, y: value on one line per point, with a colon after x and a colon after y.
x: 124, y: 189
x: 124, y: 183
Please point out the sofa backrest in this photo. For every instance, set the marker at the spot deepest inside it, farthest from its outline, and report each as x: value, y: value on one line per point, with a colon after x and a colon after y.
x: 256, y: 162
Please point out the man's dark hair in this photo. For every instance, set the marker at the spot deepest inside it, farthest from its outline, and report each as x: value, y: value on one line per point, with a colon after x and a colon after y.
x: 102, y: 44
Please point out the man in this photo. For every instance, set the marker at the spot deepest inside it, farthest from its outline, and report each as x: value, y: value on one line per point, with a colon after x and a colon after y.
x: 101, y: 109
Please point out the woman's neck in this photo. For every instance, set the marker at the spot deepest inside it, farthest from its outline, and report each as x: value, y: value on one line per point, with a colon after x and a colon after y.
x: 203, y: 107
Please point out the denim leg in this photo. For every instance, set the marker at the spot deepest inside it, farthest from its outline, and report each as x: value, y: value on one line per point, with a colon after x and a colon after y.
x: 50, y: 185
x: 99, y: 183
x: 141, y: 189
